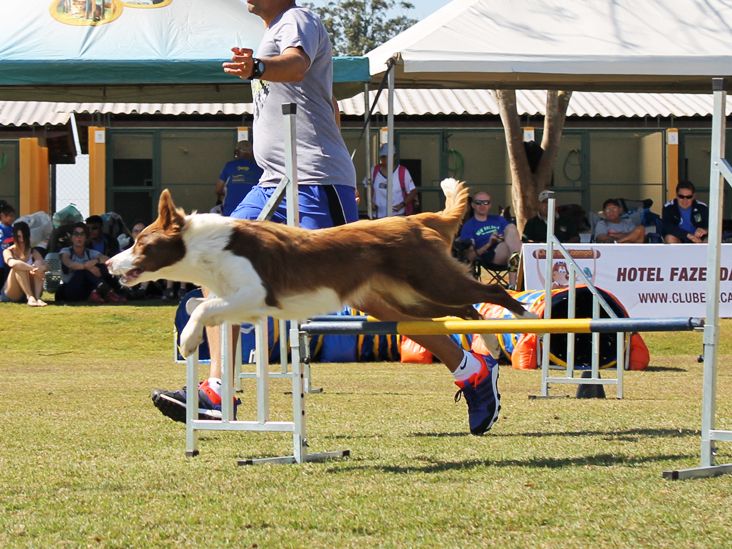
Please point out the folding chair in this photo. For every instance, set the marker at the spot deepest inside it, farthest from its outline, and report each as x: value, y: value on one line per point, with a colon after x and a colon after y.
x: 497, y: 274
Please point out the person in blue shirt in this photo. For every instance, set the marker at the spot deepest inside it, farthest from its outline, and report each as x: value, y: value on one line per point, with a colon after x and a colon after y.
x: 7, y: 218
x: 685, y: 219
x: 237, y: 178
x: 494, y: 240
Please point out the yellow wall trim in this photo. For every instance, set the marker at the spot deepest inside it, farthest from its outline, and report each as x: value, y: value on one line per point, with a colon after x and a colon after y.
x: 33, y: 170
x: 97, y: 170
x: 672, y: 162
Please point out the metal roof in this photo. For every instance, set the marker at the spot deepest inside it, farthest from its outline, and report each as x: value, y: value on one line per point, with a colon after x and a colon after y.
x: 416, y: 102
x: 411, y: 102
x: 28, y: 113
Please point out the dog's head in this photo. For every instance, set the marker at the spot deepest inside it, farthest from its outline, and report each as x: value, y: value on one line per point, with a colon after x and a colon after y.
x: 158, y: 246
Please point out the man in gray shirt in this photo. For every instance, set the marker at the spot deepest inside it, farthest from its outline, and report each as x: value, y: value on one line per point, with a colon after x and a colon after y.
x: 294, y: 64
x: 615, y: 228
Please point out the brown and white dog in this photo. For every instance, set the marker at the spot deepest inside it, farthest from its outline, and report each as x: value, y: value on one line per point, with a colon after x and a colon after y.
x: 255, y: 269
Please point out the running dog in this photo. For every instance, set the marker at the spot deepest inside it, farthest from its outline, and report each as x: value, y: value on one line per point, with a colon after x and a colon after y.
x: 255, y: 269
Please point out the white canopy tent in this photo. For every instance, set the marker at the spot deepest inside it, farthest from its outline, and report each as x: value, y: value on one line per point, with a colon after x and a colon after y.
x: 598, y: 45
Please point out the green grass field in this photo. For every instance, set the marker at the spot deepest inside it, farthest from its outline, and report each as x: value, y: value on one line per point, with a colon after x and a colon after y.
x: 86, y: 460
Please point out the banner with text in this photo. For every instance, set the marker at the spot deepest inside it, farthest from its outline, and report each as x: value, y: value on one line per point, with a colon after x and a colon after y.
x: 650, y: 280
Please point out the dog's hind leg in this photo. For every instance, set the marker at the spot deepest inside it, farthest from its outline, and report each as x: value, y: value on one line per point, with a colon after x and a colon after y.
x: 448, y: 285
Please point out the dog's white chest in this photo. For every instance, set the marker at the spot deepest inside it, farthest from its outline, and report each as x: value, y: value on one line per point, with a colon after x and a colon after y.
x: 306, y: 304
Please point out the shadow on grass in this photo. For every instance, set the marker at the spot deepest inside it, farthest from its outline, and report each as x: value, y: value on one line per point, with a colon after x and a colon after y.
x: 665, y: 369
x: 628, y: 434
x: 598, y: 460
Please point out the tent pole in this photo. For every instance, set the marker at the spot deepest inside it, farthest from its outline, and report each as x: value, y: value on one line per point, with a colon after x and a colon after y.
x: 719, y: 169
x: 369, y: 189
x: 390, y: 142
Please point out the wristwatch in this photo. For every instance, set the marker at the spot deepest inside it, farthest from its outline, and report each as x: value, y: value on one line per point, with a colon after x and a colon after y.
x: 258, y: 69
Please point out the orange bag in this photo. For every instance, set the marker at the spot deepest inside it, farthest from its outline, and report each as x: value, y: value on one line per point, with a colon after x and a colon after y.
x: 524, y: 353
x: 640, y: 357
x: 413, y: 353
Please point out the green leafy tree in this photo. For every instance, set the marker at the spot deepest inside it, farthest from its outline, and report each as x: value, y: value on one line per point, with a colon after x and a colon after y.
x: 358, y: 26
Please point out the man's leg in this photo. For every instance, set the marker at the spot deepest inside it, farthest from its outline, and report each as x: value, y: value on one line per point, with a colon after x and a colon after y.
x: 504, y: 250
x: 476, y: 375
x: 173, y: 403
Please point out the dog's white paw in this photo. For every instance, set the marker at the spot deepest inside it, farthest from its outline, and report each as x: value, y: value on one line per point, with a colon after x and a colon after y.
x: 193, y: 303
x: 190, y: 338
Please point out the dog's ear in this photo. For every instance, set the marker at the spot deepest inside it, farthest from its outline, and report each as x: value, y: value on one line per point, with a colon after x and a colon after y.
x: 169, y: 215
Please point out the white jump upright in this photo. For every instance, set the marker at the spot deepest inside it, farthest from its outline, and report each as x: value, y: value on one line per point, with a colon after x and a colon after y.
x: 720, y: 170
x: 598, y: 301
x: 299, y: 381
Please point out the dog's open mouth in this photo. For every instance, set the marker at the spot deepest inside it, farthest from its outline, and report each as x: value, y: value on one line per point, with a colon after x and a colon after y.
x: 130, y: 276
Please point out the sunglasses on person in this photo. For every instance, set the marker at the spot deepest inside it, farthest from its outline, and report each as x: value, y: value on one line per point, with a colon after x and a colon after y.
x: 78, y: 233
x: 685, y: 196
x: 481, y: 202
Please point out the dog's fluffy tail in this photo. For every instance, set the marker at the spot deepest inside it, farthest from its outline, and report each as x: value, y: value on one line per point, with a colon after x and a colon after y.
x: 448, y: 220
x: 456, y: 198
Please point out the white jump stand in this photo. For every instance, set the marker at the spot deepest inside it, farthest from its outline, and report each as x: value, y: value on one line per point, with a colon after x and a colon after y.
x: 262, y: 424
x: 598, y: 301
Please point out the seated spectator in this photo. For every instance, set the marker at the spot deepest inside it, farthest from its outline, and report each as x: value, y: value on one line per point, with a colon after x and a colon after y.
x: 7, y: 218
x: 170, y: 292
x: 98, y: 239
x: 565, y: 229
x: 614, y: 228
x: 685, y: 219
x: 141, y: 291
x: 494, y: 240
x: 85, y: 275
x: 26, y: 269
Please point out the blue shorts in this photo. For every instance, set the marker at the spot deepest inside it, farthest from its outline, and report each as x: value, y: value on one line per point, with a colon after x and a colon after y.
x: 321, y: 206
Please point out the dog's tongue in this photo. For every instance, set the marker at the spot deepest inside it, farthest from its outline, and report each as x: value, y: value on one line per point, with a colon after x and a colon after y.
x: 132, y: 274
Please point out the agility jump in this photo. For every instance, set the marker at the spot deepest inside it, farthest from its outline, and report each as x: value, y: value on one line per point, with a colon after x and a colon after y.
x: 361, y: 325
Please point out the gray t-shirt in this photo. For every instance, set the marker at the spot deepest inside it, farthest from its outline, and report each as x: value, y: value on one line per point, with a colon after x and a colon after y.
x: 86, y: 256
x: 603, y: 227
x: 322, y: 157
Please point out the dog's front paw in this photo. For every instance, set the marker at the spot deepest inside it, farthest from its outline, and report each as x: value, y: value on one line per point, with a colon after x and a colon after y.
x: 190, y: 338
x: 529, y: 315
x: 193, y: 303
x: 491, y: 343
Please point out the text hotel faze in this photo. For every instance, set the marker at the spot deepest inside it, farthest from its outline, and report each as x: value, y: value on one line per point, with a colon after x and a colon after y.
x: 670, y: 274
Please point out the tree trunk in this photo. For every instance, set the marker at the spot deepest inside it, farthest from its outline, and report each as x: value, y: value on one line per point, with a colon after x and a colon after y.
x: 525, y: 185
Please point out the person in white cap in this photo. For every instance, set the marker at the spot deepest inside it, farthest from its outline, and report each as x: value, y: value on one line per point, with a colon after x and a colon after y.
x: 404, y: 193
x: 565, y: 229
